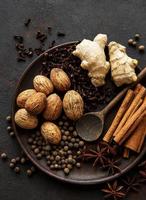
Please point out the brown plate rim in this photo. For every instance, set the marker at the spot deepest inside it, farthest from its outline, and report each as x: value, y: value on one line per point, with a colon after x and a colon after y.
x: 37, y: 164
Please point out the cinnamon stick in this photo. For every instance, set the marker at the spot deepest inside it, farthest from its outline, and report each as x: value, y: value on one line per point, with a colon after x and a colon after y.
x: 124, y: 106
x: 137, y: 88
x: 122, y: 134
x: 136, y: 107
x: 135, y: 101
x: 135, y: 142
x: 126, y: 153
x: 135, y: 124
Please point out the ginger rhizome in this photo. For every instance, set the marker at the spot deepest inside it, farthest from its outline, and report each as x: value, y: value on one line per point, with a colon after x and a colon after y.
x: 122, y: 66
x: 93, y: 58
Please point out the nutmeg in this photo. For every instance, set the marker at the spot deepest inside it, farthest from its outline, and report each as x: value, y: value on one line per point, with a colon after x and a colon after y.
x: 43, y: 84
x: 25, y: 120
x: 60, y: 79
x: 23, y: 96
x: 73, y: 105
x: 36, y: 103
x: 51, y: 132
x: 53, y: 108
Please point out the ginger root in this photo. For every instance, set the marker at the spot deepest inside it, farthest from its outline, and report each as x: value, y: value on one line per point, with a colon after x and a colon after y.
x: 93, y: 58
x: 122, y: 66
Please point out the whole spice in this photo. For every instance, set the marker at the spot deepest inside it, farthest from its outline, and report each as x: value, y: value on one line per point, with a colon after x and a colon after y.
x: 23, y: 96
x: 73, y: 105
x: 53, y: 108
x: 35, y: 104
x: 51, y: 132
x: 93, y: 58
x: 113, y: 190
x: 141, y: 48
x: 60, y: 79
x: 137, y: 36
x: 130, y: 41
x: 43, y: 84
x: 25, y: 120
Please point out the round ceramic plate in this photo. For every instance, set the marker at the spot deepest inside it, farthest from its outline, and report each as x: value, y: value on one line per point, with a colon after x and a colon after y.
x: 86, y: 174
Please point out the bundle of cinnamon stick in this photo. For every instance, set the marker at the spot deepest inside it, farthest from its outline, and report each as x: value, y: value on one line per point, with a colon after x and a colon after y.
x: 129, y: 125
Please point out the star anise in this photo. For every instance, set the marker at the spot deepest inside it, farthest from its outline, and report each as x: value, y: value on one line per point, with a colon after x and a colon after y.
x: 114, y: 191
x: 109, y: 148
x: 112, y: 166
x: 99, y: 155
x: 132, y: 183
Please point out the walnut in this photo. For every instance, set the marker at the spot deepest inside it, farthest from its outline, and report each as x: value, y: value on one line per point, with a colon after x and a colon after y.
x: 25, y: 120
x: 73, y: 105
x: 51, y: 132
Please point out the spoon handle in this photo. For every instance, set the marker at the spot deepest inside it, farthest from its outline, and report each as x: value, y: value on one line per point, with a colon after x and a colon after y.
x: 140, y: 76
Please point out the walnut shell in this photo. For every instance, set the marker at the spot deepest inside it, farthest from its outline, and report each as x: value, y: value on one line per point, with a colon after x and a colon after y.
x: 53, y: 108
x: 51, y: 132
x: 43, y: 84
x: 23, y: 96
x: 36, y: 103
x: 25, y: 120
x: 73, y: 105
x: 60, y: 79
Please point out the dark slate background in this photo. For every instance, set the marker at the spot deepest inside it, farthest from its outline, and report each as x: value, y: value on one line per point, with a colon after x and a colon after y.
x: 120, y: 19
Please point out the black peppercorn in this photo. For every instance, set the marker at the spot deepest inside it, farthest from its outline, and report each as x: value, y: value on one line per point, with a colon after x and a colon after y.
x: 4, y: 156
x: 71, y: 128
x: 11, y: 133
x: 78, y: 165
x: 17, y: 159
x: 137, y: 36
x: 36, y: 151
x: 141, y: 48
x: 65, y: 148
x: 8, y: 118
x: 134, y: 43
x: 13, y: 160
x: 17, y: 169
x: 130, y: 41
x: 81, y: 143
x: 22, y: 160
x: 66, y: 170
x: 9, y: 128
x: 29, y: 172
x: 11, y: 165
x: 60, y: 123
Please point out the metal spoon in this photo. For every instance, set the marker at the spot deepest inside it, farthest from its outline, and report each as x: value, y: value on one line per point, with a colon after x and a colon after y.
x: 90, y: 126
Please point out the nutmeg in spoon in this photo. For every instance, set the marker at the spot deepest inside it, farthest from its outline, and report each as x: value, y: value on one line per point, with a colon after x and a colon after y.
x: 90, y: 125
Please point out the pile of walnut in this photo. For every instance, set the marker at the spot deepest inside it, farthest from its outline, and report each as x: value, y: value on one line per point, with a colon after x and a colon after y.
x: 93, y: 59
x: 42, y: 100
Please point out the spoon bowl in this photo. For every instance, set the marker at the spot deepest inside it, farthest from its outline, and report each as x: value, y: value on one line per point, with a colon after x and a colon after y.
x: 90, y: 126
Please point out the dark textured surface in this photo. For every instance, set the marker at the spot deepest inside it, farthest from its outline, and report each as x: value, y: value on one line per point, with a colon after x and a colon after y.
x: 119, y: 19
